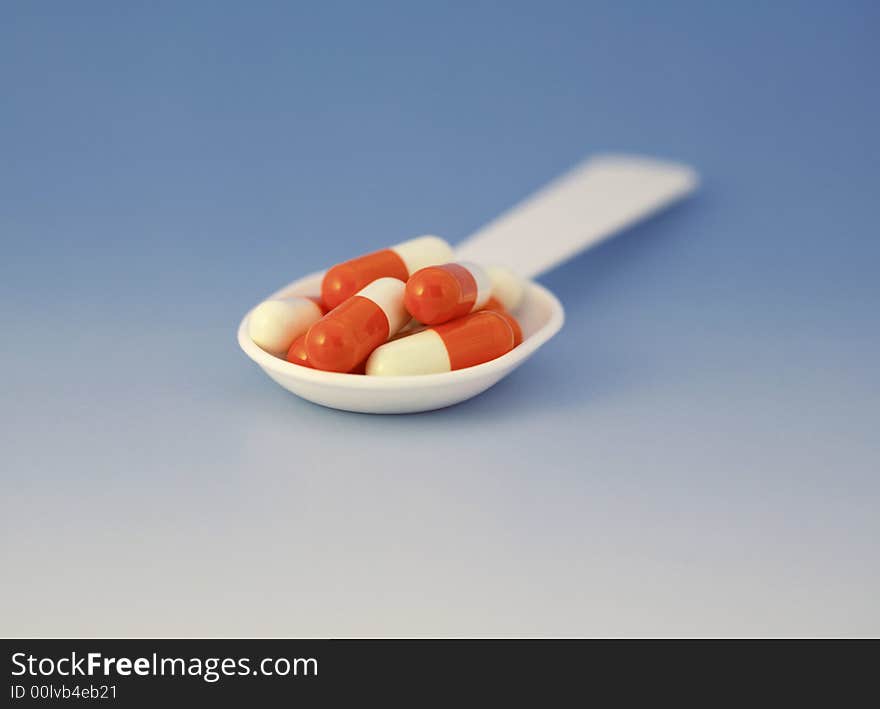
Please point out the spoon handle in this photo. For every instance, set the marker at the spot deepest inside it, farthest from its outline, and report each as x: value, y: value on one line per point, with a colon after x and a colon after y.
x: 595, y: 200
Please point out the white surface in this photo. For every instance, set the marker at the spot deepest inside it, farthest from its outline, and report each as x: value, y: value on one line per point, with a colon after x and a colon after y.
x: 541, y: 316
x: 595, y: 200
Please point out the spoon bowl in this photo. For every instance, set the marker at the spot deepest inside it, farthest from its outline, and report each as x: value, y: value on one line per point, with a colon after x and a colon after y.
x: 540, y: 315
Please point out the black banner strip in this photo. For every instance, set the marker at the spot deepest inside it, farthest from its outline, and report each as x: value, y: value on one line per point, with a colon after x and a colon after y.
x: 414, y: 672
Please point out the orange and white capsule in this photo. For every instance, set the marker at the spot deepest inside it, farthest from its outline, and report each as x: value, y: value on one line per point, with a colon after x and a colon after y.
x: 346, y: 336
x: 274, y: 324
x: 438, y: 294
x: 465, y: 342
x: 345, y: 279
x: 495, y: 305
x: 297, y: 354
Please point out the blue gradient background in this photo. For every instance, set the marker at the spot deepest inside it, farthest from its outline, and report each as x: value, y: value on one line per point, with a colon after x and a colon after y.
x: 695, y: 454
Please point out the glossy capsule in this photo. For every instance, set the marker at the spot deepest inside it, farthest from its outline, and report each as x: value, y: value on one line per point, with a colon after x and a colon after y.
x: 274, y: 324
x: 465, y: 342
x: 438, y: 294
x: 345, y: 279
x: 346, y: 336
x: 495, y: 305
x: 297, y: 352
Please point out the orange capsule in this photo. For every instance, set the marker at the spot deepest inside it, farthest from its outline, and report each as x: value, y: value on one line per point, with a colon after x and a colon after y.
x: 438, y: 294
x: 465, y: 342
x: 346, y: 336
x: 345, y: 279
x: 514, y: 326
x: 495, y: 305
x: 297, y: 352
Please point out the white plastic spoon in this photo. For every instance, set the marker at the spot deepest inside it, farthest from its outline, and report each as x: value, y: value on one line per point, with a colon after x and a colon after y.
x: 597, y: 199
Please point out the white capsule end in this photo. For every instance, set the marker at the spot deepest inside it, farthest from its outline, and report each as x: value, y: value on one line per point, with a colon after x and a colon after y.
x: 422, y: 353
x: 274, y: 324
x: 423, y: 251
x: 507, y: 287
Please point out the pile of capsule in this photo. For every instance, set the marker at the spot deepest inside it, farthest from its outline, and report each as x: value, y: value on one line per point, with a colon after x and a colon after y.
x: 409, y: 309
